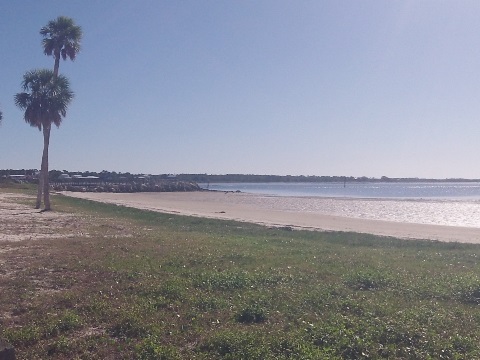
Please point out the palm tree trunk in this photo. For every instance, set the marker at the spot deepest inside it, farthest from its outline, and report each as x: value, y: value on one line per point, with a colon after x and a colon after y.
x: 56, y: 64
x: 46, y: 182
x: 40, y: 187
x: 43, y: 181
x: 41, y: 177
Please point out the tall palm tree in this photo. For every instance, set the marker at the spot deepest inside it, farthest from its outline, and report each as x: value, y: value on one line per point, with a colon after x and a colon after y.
x: 61, y: 38
x: 45, y: 101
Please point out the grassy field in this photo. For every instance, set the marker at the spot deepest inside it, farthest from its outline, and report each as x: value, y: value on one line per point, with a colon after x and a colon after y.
x: 145, y: 285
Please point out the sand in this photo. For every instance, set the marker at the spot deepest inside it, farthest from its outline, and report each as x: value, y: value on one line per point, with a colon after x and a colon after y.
x: 19, y: 221
x: 242, y: 207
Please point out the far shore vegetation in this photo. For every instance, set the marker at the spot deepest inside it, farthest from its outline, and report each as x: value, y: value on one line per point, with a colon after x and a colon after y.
x: 227, y: 178
x: 136, y: 284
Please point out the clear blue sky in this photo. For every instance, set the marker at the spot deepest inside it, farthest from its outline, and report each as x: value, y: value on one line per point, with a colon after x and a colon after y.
x: 361, y: 88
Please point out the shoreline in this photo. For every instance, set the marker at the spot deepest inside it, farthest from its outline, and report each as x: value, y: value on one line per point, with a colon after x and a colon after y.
x: 242, y: 207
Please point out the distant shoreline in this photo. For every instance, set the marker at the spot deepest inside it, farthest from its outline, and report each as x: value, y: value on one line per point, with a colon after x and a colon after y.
x: 112, y: 176
x: 243, y: 178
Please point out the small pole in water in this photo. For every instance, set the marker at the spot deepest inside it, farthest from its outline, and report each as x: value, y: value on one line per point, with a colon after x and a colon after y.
x: 344, y: 181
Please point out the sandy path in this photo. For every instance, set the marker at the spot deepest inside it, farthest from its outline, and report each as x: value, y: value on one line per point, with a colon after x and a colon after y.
x: 242, y: 207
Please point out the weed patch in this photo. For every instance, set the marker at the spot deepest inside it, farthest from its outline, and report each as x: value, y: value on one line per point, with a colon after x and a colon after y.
x: 368, y: 280
x: 151, y: 349
x: 253, y: 313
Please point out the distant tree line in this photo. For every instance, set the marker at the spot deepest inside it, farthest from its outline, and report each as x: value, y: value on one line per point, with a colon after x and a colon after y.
x: 54, y: 174
x: 205, y: 178
x: 119, y: 177
x: 105, y: 176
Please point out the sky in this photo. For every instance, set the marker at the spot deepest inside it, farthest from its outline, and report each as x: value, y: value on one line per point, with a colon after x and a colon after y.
x: 324, y: 87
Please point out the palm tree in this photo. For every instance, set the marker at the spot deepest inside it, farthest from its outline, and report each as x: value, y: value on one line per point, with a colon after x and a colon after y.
x: 61, y: 38
x: 45, y: 101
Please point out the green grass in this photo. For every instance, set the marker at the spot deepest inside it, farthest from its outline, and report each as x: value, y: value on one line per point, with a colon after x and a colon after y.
x: 173, y: 287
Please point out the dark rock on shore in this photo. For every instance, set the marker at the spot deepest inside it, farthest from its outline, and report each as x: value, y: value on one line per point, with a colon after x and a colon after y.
x: 159, y: 186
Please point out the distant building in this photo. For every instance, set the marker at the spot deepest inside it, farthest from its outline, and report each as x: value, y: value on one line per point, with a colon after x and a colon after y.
x: 85, y: 178
x: 18, y: 177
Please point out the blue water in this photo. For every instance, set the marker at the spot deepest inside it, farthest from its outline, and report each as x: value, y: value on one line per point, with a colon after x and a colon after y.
x: 420, y: 190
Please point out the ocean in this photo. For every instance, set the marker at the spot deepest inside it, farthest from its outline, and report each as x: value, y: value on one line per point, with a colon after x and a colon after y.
x: 442, y: 203
x: 377, y: 190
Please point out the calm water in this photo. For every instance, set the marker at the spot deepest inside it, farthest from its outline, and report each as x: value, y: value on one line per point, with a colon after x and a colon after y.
x: 451, y: 204
x: 446, y: 191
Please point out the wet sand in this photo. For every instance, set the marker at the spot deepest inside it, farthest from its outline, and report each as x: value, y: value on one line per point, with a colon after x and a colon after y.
x: 247, y: 208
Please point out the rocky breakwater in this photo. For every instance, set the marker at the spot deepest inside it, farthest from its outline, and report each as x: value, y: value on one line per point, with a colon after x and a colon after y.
x: 131, y: 187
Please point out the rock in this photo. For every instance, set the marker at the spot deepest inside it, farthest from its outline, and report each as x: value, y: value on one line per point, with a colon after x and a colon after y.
x: 158, y: 186
x: 7, y: 352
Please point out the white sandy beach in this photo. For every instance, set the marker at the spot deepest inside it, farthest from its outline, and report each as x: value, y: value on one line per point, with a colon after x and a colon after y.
x: 248, y: 208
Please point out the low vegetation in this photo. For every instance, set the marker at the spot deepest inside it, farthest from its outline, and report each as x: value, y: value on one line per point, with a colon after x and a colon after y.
x: 173, y: 287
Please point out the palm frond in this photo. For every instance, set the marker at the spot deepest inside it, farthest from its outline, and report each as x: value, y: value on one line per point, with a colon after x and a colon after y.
x: 45, y: 99
x: 61, y: 37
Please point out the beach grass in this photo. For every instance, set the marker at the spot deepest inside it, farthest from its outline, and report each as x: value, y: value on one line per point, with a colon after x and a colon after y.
x: 146, y: 285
